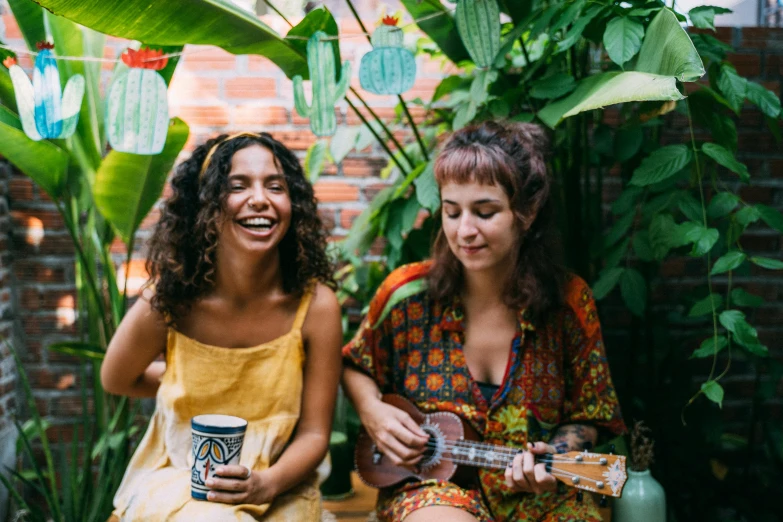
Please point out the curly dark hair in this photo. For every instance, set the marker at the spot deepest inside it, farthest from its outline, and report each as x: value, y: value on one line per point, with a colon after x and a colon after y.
x: 181, y: 259
x: 511, y: 155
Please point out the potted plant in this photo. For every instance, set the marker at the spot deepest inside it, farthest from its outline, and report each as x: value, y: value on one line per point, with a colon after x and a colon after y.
x: 643, y: 497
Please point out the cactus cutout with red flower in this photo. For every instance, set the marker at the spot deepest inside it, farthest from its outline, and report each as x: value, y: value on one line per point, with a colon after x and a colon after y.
x: 389, y: 68
x: 137, y: 115
x: 45, y: 109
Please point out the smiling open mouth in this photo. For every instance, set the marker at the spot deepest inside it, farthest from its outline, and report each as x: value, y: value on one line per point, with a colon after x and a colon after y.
x: 259, y: 224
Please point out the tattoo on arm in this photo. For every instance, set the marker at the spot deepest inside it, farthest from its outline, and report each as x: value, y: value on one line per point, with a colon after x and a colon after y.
x: 574, y: 437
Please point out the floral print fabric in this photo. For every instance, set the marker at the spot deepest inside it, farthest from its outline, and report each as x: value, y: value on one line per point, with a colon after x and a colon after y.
x: 557, y: 374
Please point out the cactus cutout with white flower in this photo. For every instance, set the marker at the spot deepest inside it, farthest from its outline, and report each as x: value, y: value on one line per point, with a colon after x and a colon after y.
x: 326, y: 90
x: 45, y: 109
x: 389, y: 68
x: 478, y: 24
x: 137, y: 115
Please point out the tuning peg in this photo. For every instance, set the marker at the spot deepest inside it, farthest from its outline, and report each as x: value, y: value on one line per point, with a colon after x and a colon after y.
x: 603, y: 502
x: 579, y: 495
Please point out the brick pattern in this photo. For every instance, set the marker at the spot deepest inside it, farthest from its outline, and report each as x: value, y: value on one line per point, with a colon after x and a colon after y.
x: 215, y: 91
x: 7, y: 367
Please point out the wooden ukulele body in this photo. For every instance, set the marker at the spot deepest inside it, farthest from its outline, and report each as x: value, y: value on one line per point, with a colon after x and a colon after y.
x: 379, y: 472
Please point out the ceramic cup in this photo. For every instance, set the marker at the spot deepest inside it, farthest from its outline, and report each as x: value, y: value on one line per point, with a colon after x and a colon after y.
x: 217, y: 441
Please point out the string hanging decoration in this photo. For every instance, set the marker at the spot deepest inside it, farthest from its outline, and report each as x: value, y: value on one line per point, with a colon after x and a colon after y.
x: 389, y: 68
x: 137, y: 115
x: 327, y: 90
x: 46, y: 110
x: 478, y: 25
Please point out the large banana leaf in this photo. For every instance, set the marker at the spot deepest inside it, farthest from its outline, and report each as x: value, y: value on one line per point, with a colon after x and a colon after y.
x: 29, y: 17
x: 128, y: 185
x: 178, y: 22
x: 442, y: 28
x: 667, y: 55
x: 609, y: 88
x: 43, y: 161
x: 7, y: 90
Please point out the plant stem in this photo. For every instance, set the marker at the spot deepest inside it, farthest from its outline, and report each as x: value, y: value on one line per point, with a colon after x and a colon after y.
x: 383, y: 126
x: 414, y: 127
x: 276, y: 10
x: 378, y: 138
x: 709, y: 259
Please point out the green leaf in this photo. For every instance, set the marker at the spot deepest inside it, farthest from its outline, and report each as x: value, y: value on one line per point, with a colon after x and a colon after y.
x: 770, y: 216
x: 606, y: 282
x: 710, y: 47
x: 619, y: 229
x: 765, y: 262
x: 705, y: 306
x: 43, y: 161
x: 439, y: 26
x: 690, y: 207
x: 742, y: 298
x: 343, y: 142
x: 627, y: 143
x: 668, y: 51
x: 747, y: 215
x: 642, y: 246
x: 634, y: 291
x: 702, y: 17
x: 319, y: 19
x: 661, y: 232
x: 764, y: 99
x: 314, y: 160
x: 575, y: 33
x: 722, y: 204
x: 610, y: 88
x: 553, y: 86
x: 627, y: 200
x: 613, y: 257
x: 661, y: 164
x: 29, y: 17
x: 447, y: 86
x: 730, y: 319
x: 427, y: 190
x: 725, y: 158
x: 709, y: 347
x: 179, y: 22
x: 733, y: 86
x: 643, y: 11
x: 623, y: 39
x: 703, y: 239
x: 728, y: 262
x: 128, y: 185
x: 85, y: 351
x: 713, y: 391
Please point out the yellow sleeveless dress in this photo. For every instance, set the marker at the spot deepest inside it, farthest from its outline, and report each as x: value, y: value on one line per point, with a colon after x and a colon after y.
x: 262, y: 384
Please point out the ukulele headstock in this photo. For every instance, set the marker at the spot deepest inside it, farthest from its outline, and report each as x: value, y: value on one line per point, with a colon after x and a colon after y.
x: 596, y: 472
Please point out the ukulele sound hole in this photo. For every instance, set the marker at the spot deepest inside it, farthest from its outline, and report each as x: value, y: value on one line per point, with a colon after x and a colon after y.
x: 434, y: 449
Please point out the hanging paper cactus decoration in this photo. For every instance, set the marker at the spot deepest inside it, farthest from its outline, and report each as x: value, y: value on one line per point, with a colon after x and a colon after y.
x: 326, y: 91
x: 46, y: 111
x: 388, y: 68
x: 478, y: 24
x: 137, y: 116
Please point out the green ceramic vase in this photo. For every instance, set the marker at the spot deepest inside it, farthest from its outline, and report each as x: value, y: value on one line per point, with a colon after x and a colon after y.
x: 643, y: 500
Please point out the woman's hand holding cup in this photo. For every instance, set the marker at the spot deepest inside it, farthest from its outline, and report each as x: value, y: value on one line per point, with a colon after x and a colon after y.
x: 239, y: 485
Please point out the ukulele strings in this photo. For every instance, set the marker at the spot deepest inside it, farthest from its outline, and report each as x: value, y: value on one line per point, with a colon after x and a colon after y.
x: 504, y: 453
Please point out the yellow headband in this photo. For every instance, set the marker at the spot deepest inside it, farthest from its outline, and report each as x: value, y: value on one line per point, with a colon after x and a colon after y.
x: 218, y: 144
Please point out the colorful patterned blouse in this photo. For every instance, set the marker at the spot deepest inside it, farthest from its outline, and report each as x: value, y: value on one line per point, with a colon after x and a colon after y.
x: 557, y: 374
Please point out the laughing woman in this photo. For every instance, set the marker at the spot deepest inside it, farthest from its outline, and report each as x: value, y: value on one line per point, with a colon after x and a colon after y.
x: 243, y: 310
x: 491, y: 329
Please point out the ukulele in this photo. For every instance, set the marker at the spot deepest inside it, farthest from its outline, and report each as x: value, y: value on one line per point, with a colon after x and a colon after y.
x: 453, y: 443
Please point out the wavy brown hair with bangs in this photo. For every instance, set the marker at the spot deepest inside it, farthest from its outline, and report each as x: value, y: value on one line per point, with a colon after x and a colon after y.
x: 511, y: 156
x: 181, y: 258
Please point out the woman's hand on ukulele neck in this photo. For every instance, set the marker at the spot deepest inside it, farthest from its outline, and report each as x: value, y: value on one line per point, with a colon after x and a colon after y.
x: 395, y: 433
x: 524, y: 475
